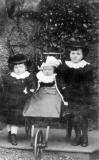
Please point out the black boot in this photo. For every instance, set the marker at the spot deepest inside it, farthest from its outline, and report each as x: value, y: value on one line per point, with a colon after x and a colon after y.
x: 13, y: 139
x: 9, y: 136
x: 77, y: 141
x: 84, y: 141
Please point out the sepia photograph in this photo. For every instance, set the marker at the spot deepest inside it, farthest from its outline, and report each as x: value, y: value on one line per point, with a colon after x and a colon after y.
x: 49, y: 79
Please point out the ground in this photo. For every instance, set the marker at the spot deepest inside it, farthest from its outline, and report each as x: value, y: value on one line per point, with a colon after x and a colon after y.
x: 58, y: 148
x: 15, y: 154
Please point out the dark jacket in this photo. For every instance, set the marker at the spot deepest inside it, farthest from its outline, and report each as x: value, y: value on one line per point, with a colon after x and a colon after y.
x: 14, y: 97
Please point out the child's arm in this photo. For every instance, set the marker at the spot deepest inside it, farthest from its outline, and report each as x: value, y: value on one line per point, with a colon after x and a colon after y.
x: 62, y: 88
x: 31, y: 83
x: 61, y: 69
x: 86, y: 75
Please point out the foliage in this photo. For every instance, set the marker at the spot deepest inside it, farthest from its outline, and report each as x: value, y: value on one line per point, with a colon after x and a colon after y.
x: 65, y: 22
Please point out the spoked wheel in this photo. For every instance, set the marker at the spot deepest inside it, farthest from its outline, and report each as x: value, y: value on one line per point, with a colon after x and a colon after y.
x: 46, y: 136
x: 38, y: 145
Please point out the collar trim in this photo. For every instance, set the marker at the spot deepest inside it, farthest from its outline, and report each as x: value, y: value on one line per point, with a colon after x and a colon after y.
x: 21, y: 76
x: 80, y: 64
x: 45, y: 79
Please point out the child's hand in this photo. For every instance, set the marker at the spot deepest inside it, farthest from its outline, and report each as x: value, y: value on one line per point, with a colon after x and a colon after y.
x: 32, y: 90
x: 66, y: 103
x: 25, y: 91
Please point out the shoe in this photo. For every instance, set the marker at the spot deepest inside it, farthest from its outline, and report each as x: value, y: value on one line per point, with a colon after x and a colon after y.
x: 76, y: 142
x: 13, y: 139
x: 68, y: 135
x: 9, y: 136
x: 84, y: 141
x: 85, y: 144
x: 68, y: 138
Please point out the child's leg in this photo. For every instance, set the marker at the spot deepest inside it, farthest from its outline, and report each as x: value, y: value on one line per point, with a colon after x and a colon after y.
x: 12, y: 133
x: 9, y: 132
x: 77, y: 128
x: 14, y: 129
x: 84, y: 127
x: 9, y: 128
x: 69, y: 128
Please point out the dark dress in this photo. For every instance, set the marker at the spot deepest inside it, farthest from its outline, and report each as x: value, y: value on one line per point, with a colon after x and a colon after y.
x: 78, y: 82
x: 14, y: 96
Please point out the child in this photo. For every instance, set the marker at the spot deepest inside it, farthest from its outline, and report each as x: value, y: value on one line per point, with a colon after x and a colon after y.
x: 46, y: 102
x: 18, y: 86
x: 77, y: 74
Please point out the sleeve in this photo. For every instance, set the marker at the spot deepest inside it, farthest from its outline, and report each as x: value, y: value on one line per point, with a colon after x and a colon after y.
x: 5, y: 81
x: 65, y: 73
x: 5, y: 91
x: 62, y: 87
x: 89, y: 83
x: 61, y: 69
x: 31, y: 83
x: 3, y: 107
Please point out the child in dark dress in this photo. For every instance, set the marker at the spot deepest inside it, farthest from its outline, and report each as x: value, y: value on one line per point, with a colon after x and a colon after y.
x: 77, y: 74
x: 18, y: 87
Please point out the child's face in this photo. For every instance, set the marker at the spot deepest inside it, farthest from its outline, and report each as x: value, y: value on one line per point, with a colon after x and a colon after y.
x: 19, y: 69
x: 76, y: 55
x: 48, y: 70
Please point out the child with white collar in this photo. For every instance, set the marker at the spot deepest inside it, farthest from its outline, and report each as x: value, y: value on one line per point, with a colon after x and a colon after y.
x: 77, y: 74
x: 18, y: 86
x: 46, y: 102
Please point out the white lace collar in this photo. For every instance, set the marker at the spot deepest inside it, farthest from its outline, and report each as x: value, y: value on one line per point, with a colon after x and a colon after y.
x: 81, y: 64
x: 21, y: 76
x: 45, y: 79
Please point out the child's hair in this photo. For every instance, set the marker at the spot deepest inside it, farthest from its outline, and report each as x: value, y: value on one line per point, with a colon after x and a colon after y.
x: 18, y: 59
x: 77, y: 46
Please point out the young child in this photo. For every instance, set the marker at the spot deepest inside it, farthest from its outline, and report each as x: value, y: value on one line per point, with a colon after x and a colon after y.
x: 46, y: 102
x: 77, y: 74
x: 18, y: 86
